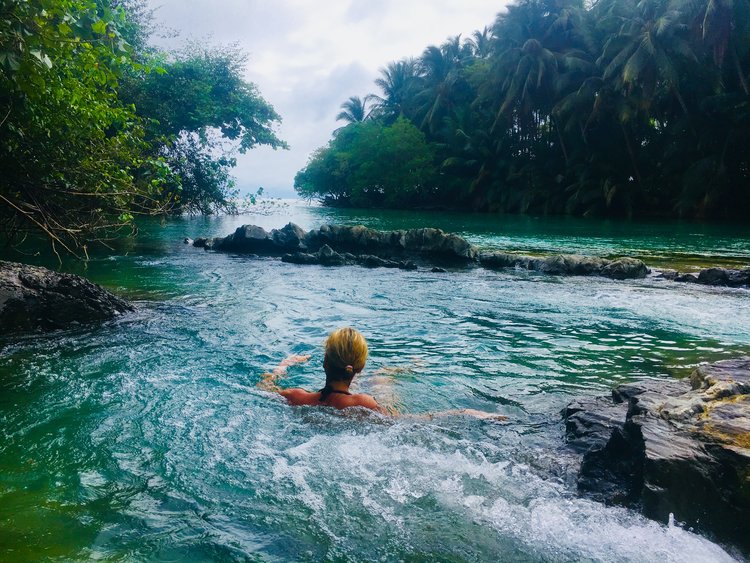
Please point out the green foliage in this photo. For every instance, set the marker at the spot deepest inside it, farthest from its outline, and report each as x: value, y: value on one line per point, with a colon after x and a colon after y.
x: 617, y: 107
x: 67, y: 145
x: 198, y: 111
x: 370, y: 163
x: 96, y: 128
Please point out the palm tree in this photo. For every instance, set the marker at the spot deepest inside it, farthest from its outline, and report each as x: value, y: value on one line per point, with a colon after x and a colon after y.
x: 647, y: 51
x: 354, y: 110
x: 399, y: 84
x: 442, y: 79
x: 481, y: 43
x: 724, y: 28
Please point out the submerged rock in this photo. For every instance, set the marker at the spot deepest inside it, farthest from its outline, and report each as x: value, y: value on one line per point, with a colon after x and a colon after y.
x: 32, y: 297
x: 678, y: 447
x: 567, y: 264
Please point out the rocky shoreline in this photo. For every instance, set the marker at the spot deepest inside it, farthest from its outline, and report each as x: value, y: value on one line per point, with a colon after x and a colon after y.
x: 35, y: 298
x: 672, y: 447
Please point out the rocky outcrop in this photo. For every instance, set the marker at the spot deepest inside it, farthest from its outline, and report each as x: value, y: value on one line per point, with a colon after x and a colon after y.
x: 32, y: 298
x: 342, y: 245
x: 678, y: 447
x: 335, y: 245
x: 357, y: 240
x: 725, y: 277
x: 567, y: 264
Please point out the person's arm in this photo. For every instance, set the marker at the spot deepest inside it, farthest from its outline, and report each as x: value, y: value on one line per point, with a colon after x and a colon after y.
x: 268, y: 380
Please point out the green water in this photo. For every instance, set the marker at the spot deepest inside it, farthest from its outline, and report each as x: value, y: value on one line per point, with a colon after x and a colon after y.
x: 146, y: 439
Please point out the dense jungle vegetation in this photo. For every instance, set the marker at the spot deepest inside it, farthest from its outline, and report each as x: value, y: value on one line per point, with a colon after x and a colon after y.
x: 97, y: 127
x: 611, y: 107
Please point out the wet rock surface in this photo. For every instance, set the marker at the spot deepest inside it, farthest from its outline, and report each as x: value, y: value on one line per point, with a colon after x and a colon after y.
x: 567, y: 264
x: 343, y: 245
x: 336, y: 245
x: 34, y: 298
x: 678, y: 447
x: 723, y: 277
x: 357, y: 240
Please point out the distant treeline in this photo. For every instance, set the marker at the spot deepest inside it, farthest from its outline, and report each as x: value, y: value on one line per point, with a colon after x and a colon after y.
x: 616, y: 107
x: 96, y: 126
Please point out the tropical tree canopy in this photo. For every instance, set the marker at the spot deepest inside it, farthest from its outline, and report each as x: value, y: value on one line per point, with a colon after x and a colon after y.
x: 617, y: 107
x: 370, y: 163
x: 93, y: 129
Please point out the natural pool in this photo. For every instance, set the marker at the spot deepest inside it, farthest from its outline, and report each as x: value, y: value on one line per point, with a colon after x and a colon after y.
x: 147, y: 439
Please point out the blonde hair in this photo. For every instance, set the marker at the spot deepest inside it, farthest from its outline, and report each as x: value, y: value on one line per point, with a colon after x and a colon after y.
x: 346, y: 352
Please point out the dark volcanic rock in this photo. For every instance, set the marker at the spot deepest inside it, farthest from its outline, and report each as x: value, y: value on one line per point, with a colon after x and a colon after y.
x: 32, y: 297
x: 725, y: 277
x: 686, y: 278
x: 713, y: 276
x: 329, y: 257
x: 625, y: 269
x: 326, y: 256
x: 248, y: 239
x: 359, y: 241
x: 406, y: 249
x: 672, y: 447
x: 290, y: 238
x: 567, y: 264
x: 387, y: 244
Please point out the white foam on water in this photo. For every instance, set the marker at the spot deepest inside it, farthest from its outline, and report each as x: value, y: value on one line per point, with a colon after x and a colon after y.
x: 383, y: 479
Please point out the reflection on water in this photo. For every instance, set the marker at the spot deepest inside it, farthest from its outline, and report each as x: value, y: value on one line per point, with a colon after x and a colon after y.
x: 147, y: 439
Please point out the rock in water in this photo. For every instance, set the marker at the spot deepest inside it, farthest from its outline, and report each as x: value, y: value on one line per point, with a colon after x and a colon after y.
x: 335, y: 245
x: 358, y: 240
x: 32, y: 297
x: 567, y: 264
x: 677, y: 447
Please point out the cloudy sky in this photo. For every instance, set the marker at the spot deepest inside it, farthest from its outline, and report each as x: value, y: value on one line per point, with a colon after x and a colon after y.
x: 307, y: 57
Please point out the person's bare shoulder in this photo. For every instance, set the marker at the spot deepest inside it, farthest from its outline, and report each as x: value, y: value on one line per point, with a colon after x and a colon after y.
x: 367, y: 401
x: 298, y: 396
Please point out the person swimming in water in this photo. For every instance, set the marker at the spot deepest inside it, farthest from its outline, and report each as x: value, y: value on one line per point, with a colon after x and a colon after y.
x: 345, y: 356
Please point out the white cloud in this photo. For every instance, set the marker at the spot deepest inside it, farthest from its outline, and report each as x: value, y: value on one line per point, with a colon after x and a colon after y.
x: 307, y: 57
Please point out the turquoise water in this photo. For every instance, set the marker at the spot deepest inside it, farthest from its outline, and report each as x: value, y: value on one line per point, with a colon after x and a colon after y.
x: 146, y: 438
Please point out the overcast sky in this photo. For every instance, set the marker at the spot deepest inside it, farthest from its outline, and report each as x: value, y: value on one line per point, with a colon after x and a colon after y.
x: 307, y: 57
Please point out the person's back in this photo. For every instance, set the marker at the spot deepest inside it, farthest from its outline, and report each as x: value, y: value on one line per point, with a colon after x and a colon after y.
x: 345, y: 356
x: 339, y: 400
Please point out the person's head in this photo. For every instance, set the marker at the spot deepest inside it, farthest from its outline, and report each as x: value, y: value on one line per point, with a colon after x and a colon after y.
x: 345, y: 354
